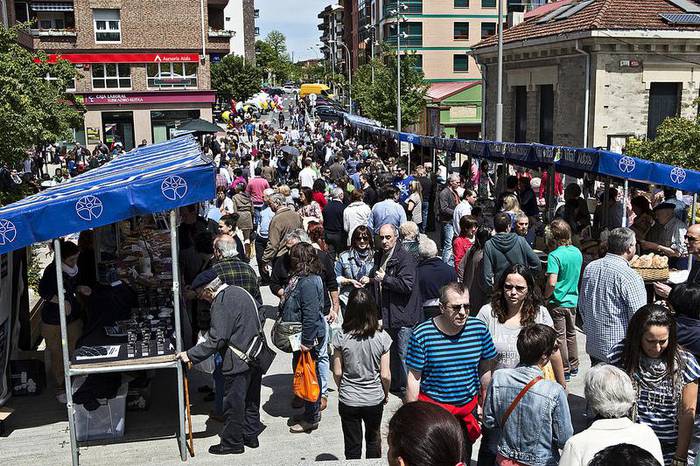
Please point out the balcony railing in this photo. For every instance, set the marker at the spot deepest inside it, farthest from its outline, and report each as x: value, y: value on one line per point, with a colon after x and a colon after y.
x: 53, y: 32
x: 221, y: 33
x: 410, y: 41
x: 414, y: 7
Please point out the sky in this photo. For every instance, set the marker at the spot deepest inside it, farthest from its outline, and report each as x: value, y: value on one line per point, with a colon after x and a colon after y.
x: 296, y: 19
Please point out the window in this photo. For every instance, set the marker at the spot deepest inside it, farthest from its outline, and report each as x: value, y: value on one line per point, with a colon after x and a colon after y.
x: 417, y: 61
x: 461, y: 31
x: 487, y: 29
x: 107, y: 25
x: 70, y: 85
x: 170, y: 75
x: 520, y: 114
x: 547, y: 114
x: 460, y: 63
x: 664, y: 102
x: 488, y: 3
x: 111, y: 76
x: 22, y: 12
x: 461, y: 3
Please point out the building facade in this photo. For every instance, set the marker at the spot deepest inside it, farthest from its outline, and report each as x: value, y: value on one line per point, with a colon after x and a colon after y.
x: 332, y: 23
x: 594, y: 73
x: 144, y: 66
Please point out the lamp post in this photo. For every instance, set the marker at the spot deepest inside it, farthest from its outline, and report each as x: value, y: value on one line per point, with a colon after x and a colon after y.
x: 399, y: 18
x: 499, y: 101
x: 349, y: 72
x: 372, y: 31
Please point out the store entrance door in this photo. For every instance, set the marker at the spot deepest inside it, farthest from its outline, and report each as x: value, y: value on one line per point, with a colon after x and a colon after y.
x: 119, y: 127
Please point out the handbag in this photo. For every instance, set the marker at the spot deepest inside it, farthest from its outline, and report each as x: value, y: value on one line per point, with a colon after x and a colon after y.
x: 306, y: 384
x: 281, y: 331
x: 258, y: 355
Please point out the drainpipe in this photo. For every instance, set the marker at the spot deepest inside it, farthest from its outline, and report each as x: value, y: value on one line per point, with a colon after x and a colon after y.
x: 587, y: 98
x: 204, y: 33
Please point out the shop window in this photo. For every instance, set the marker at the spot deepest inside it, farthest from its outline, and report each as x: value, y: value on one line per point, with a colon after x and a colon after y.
x: 487, y: 29
x: 664, y: 102
x: 460, y: 63
x: 172, y: 75
x: 461, y: 31
x: 70, y: 85
x: 107, y: 25
x: 111, y: 76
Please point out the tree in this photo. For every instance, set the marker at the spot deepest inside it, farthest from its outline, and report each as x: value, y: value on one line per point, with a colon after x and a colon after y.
x: 272, y: 57
x: 33, y: 109
x: 378, y: 100
x: 677, y: 143
x: 278, y: 42
x: 234, y: 78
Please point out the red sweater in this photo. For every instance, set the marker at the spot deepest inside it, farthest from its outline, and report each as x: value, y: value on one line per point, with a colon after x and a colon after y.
x: 460, y: 246
x: 320, y: 198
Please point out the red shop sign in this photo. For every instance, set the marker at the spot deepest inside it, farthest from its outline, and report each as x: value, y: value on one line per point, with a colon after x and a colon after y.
x: 125, y: 57
x: 207, y: 97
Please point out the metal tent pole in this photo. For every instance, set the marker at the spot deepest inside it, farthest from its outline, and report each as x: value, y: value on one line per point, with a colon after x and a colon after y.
x: 410, y: 149
x: 178, y: 334
x: 624, y: 203
x: 74, y: 449
x: 693, y: 209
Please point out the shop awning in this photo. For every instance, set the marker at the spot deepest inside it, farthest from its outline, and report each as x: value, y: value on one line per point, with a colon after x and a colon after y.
x: 146, y: 180
x: 46, y: 6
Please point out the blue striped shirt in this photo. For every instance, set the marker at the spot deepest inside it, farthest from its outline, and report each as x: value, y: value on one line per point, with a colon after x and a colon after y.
x: 656, y: 405
x: 449, y: 365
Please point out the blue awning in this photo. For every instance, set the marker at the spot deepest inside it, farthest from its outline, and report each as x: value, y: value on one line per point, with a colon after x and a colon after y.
x: 150, y: 179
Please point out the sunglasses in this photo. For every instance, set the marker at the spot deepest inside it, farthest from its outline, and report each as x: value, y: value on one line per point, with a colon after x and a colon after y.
x: 459, y: 307
x: 519, y: 289
x: 363, y: 238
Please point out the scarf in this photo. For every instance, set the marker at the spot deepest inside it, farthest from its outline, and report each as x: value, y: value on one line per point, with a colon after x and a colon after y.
x: 651, y: 372
x: 293, y: 281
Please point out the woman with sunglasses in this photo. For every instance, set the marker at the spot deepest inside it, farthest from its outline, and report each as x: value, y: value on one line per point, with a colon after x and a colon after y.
x: 516, y: 303
x: 355, y: 263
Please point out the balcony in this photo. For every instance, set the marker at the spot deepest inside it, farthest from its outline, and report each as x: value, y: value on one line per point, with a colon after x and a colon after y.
x: 406, y: 42
x: 413, y: 7
x: 221, y: 33
x: 53, y: 32
x: 256, y: 13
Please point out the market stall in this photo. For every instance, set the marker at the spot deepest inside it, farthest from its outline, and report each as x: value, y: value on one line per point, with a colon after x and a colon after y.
x: 146, y: 181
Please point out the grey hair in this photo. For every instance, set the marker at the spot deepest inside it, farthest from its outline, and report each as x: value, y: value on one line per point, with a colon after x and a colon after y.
x: 454, y: 176
x: 298, y: 234
x: 338, y: 194
x: 409, y: 230
x: 427, y: 248
x: 213, y: 285
x: 226, y: 246
x: 393, y: 228
x: 278, y: 199
x: 521, y: 215
x: 609, y: 391
x: 620, y: 240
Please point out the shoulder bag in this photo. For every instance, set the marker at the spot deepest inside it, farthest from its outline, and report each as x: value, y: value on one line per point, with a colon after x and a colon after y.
x: 518, y: 398
x: 258, y: 354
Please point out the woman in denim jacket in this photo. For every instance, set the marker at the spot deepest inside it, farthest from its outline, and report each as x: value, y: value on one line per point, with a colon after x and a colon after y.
x: 303, y: 302
x: 534, y: 429
x: 355, y: 263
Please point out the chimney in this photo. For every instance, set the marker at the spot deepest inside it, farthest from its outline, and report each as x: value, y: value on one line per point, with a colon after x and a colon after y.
x: 515, y: 18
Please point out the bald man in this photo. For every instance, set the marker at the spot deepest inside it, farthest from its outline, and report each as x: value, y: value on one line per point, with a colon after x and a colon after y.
x: 692, y: 242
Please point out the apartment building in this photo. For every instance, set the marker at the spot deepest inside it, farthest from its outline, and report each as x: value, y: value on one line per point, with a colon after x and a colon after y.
x: 144, y: 65
x: 333, y: 33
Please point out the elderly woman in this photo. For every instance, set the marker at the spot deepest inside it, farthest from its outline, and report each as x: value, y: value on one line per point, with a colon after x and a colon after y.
x: 355, y: 263
x: 432, y: 274
x: 665, y: 379
x: 610, y: 396
x: 409, y: 238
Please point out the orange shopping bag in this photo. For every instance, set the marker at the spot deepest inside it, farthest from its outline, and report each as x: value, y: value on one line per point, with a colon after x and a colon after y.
x: 305, y: 381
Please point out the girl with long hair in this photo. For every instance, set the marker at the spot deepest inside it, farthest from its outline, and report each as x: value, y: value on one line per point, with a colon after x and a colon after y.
x: 309, y: 210
x: 362, y: 374
x: 356, y: 262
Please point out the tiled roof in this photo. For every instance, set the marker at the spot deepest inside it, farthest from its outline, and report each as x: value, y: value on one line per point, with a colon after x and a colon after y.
x: 440, y: 91
x: 546, y: 8
x: 599, y: 15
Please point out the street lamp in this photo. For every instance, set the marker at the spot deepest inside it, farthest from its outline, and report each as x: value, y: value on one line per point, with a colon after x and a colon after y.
x: 349, y: 71
x: 399, y: 18
x: 373, y: 31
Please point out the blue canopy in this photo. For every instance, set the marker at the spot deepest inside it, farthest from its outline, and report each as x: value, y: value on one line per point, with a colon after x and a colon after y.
x: 149, y: 179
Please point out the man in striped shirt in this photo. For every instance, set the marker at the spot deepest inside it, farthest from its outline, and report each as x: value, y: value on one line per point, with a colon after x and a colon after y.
x: 447, y: 356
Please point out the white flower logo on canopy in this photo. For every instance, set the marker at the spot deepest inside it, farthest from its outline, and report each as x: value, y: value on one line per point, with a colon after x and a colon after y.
x: 626, y: 164
x: 8, y: 232
x: 89, y: 208
x: 174, y: 188
x: 677, y: 175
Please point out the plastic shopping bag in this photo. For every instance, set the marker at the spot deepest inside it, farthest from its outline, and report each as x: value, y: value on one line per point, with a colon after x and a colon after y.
x: 305, y: 381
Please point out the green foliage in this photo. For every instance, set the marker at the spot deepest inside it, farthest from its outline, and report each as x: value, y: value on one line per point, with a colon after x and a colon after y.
x: 272, y: 57
x: 677, y: 143
x: 378, y: 100
x: 33, y: 110
x: 233, y: 78
x: 35, y: 270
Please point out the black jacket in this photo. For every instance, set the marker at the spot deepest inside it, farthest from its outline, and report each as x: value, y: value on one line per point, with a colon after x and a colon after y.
x: 397, y: 294
x: 333, y: 216
x: 235, y: 321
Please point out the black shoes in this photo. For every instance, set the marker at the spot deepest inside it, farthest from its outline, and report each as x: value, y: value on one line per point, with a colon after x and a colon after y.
x: 251, y: 443
x: 221, y: 450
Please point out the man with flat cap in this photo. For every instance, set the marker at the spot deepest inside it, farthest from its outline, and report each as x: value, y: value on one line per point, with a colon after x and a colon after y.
x: 667, y: 236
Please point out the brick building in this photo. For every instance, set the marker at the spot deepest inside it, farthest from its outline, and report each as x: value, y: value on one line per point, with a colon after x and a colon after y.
x: 144, y: 65
x: 593, y: 73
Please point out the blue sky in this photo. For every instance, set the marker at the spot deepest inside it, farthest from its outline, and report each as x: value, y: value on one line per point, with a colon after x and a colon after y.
x: 296, y: 19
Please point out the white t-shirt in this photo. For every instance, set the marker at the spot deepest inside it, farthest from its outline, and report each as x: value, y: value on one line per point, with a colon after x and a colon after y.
x: 505, y: 337
x: 307, y: 177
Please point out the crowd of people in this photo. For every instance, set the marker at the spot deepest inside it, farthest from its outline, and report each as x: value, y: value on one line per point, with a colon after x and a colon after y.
x: 476, y: 334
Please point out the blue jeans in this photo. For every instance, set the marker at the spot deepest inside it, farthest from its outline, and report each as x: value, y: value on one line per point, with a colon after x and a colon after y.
x: 219, y: 383
x: 448, y: 233
x: 399, y: 369
x: 424, y: 211
x: 257, y: 209
x: 324, y: 363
